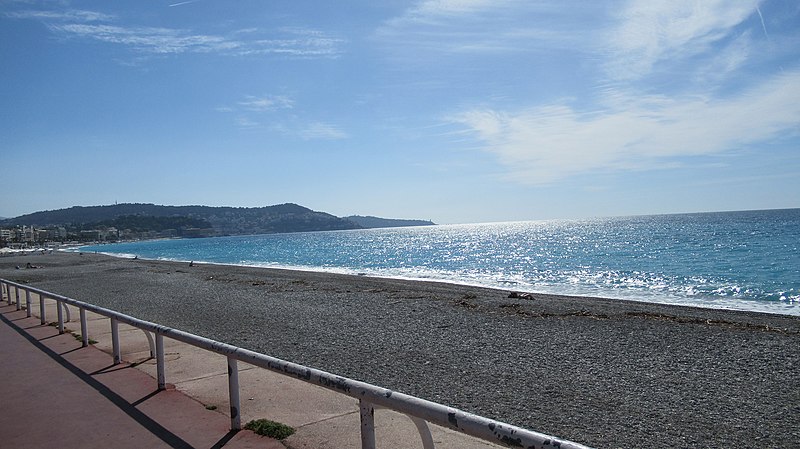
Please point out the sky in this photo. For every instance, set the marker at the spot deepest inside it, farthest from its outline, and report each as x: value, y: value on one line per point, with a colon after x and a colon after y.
x: 456, y: 111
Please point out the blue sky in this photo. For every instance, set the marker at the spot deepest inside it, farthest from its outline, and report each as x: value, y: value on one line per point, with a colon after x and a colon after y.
x: 450, y: 110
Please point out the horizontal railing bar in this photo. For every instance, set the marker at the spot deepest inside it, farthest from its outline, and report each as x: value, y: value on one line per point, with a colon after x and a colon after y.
x: 458, y: 420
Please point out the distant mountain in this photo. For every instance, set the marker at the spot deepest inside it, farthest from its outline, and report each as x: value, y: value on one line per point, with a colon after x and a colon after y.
x: 223, y: 220
x: 375, y: 222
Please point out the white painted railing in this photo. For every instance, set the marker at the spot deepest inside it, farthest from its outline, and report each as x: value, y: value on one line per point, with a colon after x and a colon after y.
x: 369, y: 396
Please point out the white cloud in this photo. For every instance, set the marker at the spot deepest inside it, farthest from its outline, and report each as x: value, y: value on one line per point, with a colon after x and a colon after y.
x: 250, y: 113
x: 726, y: 60
x: 72, y: 15
x: 246, y: 123
x: 294, y: 42
x: 150, y: 40
x: 433, y: 10
x: 322, y: 131
x: 545, y: 144
x: 651, y: 32
x: 266, y: 103
x: 482, y: 26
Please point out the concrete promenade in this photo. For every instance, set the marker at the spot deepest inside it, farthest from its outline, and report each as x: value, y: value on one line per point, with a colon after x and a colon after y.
x: 56, y: 392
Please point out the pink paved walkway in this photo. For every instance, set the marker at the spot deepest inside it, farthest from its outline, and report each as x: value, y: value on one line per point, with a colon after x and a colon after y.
x: 53, y: 393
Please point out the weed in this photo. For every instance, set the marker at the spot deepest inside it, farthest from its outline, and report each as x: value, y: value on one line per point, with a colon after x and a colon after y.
x: 270, y: 429
x: 211, y: 407
x: 79, y: 337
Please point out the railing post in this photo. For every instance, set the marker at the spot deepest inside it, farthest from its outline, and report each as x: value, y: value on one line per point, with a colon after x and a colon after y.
x: 66, y: 311
x: 160, y: 375
x: 42, y: 319
x: 28, y: 303
x: 115, y: 341
x: 60, y: 317
x: 16, y: 295
x: 84, y: 329
x: 150, y: 343
x: 424, y: 432
x: 367, y: 424
x: 233, y: 393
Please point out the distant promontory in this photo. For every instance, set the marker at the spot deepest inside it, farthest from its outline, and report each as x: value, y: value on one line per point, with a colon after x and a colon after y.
x: 140, y: 220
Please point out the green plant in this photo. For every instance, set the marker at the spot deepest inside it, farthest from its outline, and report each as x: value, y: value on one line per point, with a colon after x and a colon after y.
x: 79, y: 337
x: 211, y: 407
x: 270, y: 429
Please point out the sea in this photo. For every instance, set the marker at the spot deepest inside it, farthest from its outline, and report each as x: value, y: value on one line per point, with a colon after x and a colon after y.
x: 747, y: 260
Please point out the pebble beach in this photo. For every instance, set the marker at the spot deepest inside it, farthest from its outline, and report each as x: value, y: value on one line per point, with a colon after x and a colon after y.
x: 605, y: 373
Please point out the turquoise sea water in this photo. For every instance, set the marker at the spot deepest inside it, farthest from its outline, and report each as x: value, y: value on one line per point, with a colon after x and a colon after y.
x: 733, y: 260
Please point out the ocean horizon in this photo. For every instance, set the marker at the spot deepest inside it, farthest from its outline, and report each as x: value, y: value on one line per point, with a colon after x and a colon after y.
x: 745, y: 260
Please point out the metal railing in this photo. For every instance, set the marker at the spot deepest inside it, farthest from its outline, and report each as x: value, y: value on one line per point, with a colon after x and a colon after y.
x: 370, y: 397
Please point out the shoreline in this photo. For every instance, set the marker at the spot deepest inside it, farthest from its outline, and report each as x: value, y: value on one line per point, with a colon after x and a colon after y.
x: 594, y: 370
x: 733, y: 304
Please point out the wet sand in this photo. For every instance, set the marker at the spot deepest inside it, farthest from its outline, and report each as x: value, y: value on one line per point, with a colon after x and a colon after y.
x: 605, y: 373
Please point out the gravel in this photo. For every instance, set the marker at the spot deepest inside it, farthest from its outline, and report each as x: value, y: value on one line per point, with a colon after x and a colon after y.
x: 605, y: 373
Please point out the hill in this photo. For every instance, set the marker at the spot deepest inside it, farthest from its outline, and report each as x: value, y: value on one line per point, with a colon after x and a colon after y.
x: 222, y: 220
x: 369, y: 222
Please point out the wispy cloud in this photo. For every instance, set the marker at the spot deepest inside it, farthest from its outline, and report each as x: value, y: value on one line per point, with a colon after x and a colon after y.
x: 289, y: 42
x: 649, y: 33
x: 269, y: 112
x: 482, y: 26
x: 550, y: 143
x: 434, y: 11
x: 322, y: 131
x: 148, y: 40
x: 266, y: 103
x: 183, y: 3
x: 250, y: 112
x: 247, y: 123
x: 72, y: 15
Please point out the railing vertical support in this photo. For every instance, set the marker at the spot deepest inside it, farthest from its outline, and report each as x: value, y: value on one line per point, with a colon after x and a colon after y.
x: 424, y: 432
x: 84, y: 329
x: 4, y: 288
x: 28, y: 303
x: 233, y: 393
x: 42, y: 319
x: 150, y: 343
x: 66, y: 311
x: 367, y: 424
x: 160, y: 375
x: 115, y: 341
x: 16, y: 295
x: 60, y: 317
